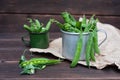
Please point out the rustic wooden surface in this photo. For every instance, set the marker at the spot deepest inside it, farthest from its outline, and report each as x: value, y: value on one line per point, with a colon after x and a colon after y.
x: 13, y: 14
x: 11, y: 48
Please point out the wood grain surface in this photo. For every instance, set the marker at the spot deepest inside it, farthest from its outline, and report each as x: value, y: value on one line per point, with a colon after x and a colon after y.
x: 11, y: 48
x: 13, y: 14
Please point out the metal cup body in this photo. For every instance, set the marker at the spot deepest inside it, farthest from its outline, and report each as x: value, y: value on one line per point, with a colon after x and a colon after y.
x: 69, y: 43
x: 39, y: 40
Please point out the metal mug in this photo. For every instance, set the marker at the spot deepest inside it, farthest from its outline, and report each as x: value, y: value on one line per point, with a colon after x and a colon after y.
x: 37, y: 40
x: 69, y: 42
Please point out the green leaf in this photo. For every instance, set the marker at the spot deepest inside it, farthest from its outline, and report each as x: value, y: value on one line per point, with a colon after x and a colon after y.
x: 29, y: 69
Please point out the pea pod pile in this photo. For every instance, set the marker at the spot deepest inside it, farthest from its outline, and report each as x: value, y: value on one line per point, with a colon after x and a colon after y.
x: 37, y: 27
x: 29, y: 66
x: 84, y: 25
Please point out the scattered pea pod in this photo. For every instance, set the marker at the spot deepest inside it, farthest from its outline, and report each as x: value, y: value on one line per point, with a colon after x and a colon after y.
x: 29, y: 66
x: 39, y: 61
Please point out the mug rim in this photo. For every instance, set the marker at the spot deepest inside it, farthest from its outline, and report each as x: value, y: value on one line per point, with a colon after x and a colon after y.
x: 66, y: 32
x: 38, y: 33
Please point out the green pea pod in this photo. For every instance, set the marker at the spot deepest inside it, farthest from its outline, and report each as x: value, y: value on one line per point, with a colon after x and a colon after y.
x: 27, y: 28
x: 67, y: 27
x: 77, y: 52
x: 72, y: 18
x: 92, y: 54
x: 95, y: 39
x: 84, y: 22
x: 49, y: 24
x: 88, y: 49
x: 39, y: 61
x: 37, y: 23
x: 68, y: 18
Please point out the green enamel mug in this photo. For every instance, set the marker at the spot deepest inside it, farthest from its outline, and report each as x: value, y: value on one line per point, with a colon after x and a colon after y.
x: 37, y: 40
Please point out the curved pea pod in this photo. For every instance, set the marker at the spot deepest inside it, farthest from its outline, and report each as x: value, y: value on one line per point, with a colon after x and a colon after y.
x: 70, y: 28
x: 27, y: 28
x: 77, y: 52
x: 88, y: 49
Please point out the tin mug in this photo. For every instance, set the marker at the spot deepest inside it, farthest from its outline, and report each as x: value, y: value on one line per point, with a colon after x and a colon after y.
x: 37, y: 40
x: 69, y: 42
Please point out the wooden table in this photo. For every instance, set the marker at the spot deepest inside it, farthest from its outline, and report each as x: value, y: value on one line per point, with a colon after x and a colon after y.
x: 11, y: 49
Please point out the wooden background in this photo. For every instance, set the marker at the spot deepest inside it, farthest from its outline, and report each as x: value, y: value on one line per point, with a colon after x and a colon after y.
x: 13, y: 13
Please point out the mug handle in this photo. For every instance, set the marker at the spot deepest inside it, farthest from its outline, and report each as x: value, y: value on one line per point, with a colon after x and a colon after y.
x: 25, y: 41
x: 101, y: 30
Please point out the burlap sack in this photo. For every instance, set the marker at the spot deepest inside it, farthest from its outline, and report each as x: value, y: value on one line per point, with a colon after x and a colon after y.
x: 109, y: 49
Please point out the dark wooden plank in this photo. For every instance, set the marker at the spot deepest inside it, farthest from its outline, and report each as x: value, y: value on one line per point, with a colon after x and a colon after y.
x: 14, y: 23
x: 11, y: 71
x: 100, y: 7
x: 11, y: 46
x: 17, y: 36
x: 15, y: 54
x: 11, y: 54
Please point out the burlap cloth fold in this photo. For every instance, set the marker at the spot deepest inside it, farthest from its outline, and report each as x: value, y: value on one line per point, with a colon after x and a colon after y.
x: 110, y: 49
